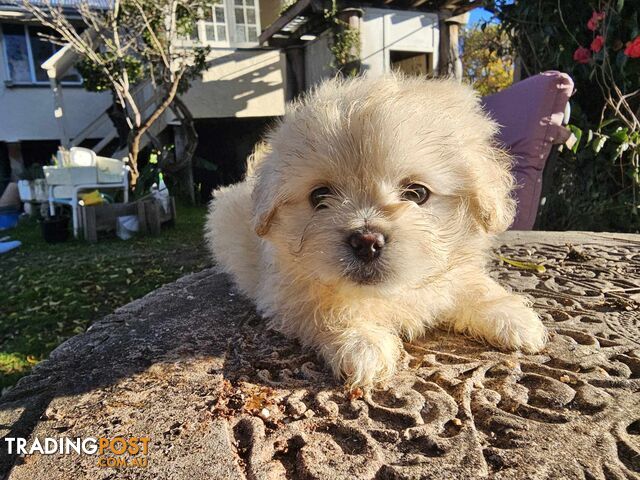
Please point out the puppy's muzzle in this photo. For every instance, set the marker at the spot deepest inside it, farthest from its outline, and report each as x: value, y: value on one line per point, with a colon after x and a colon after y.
x: 367, y: 245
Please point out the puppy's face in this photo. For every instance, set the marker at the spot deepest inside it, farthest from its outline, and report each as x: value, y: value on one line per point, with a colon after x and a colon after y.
x: 381, y: 182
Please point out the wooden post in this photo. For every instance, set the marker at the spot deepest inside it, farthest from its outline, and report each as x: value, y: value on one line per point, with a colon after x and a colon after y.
x: 296, y: 81
x: 172, y: 211
x: 517, y: 69
x: 449, y: 62
x: 454, y: 49
x: 444, y: 59
x: 152, y: 213
x: 185, y: 174
x: 142, y: 217
x: 89, y: 224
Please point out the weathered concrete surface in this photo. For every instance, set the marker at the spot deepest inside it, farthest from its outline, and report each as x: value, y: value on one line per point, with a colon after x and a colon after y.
x: 192, y: 367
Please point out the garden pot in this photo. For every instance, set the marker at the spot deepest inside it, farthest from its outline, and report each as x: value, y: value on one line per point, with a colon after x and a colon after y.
x: 55, y: 229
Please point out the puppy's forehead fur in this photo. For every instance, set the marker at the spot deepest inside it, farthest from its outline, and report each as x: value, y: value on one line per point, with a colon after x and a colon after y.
x: 387, y: 128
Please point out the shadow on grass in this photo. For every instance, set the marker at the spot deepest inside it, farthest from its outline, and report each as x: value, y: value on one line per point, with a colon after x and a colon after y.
x: 49, y: 293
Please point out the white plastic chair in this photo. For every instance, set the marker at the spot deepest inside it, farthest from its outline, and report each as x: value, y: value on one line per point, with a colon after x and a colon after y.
x: 83, y: 157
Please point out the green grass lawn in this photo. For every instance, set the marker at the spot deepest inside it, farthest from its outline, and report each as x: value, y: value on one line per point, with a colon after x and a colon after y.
x: 49, y: 293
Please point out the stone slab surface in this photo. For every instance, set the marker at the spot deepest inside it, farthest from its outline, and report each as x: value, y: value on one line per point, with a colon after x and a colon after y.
x: 192, y: 367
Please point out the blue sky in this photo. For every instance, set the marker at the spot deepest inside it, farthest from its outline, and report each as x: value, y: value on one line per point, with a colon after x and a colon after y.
x: 478, y: 15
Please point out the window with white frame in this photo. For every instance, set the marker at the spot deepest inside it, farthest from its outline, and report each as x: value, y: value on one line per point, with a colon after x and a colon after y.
x: 25, y: 50
x: 246, y: 24
x: 215, y: 24
x: 229, y: 22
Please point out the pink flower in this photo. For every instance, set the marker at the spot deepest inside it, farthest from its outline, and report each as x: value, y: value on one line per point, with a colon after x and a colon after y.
x: 582, y: 55
x: 595, y: 20
x: 597, y: 44
x: 633, y: 48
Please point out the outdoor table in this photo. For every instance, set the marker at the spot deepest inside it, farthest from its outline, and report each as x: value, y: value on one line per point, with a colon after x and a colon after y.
x: 192, y: 367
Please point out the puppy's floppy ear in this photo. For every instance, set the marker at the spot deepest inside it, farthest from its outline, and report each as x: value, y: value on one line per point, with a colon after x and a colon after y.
x: 487, y: 182
x: 492, y: 203
x: 266, y: 196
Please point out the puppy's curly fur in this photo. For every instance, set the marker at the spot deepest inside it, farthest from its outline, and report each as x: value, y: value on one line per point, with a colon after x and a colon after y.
x: 367, y: 140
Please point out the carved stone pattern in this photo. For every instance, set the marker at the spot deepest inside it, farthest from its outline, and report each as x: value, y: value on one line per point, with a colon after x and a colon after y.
x: 460, y: 409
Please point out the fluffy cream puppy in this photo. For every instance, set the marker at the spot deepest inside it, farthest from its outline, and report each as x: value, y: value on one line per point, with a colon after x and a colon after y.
x: 368, y: 219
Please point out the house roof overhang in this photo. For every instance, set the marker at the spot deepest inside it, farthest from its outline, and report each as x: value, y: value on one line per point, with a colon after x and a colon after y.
x: 306, y: 17
x: 14, y: 10
x: 64, y: 4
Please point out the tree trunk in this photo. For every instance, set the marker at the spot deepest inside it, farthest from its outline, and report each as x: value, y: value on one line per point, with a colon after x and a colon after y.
x: 135, y: 136
x: 118, y: 118
x: 190, y: 130
x: 186, y: 142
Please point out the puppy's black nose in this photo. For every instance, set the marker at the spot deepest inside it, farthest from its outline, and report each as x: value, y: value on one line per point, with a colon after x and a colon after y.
x: 367, y: 245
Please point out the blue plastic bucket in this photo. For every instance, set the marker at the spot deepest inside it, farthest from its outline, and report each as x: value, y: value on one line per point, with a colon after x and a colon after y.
x: 8, y: 220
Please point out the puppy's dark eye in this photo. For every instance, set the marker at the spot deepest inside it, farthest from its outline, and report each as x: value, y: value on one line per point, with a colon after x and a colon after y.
x: 318, y: 195
x: 415, y: 192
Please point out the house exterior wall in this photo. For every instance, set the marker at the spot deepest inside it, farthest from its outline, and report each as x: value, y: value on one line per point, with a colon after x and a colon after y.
x: 239, y: 83
x: 385, y: 30
x: 381, y: 31
x: 26, y: 112
x: 242, y: 81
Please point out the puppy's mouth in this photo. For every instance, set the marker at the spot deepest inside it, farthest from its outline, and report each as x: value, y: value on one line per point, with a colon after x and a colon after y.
x: 371, y: 273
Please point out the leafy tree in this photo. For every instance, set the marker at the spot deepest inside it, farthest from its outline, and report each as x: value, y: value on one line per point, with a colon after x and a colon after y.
x: 124, y: 48
x: 486, y: 58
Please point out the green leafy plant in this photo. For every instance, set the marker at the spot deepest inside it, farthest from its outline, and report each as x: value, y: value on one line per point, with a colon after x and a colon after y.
x: 286, y: 5
x: 487, y: 58
x: 149, y: 175
x: 345, y: 43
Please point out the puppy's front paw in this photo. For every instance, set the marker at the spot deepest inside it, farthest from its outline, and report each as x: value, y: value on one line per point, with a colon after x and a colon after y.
x: 518, y: 328
x: 505, y: 322
x: 366, y: 358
